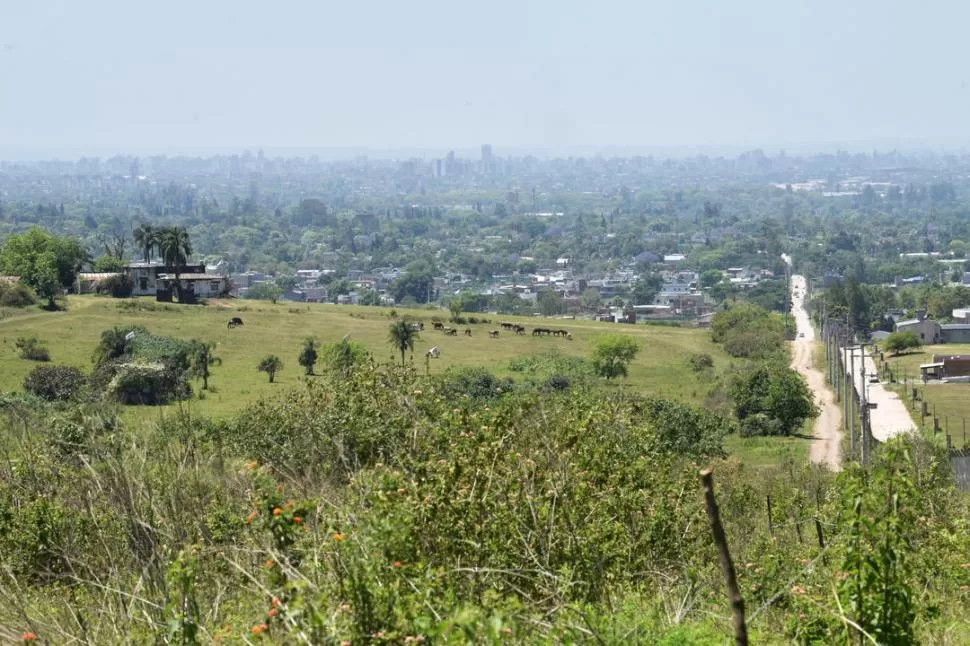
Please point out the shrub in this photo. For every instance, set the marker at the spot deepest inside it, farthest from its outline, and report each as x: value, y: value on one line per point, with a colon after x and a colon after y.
x: 16, y: 294
x: 700, y: 361
x: 476, y: 383
x: 55, y: 383
x: 117, y: 286
x: 147, y: 383
x: 557, y: 381
x: 32, y: 350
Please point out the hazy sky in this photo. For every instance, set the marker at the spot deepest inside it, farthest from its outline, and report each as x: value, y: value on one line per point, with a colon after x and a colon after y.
x: 196, y: 75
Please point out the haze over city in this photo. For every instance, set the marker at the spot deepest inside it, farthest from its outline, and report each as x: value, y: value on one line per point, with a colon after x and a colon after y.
x: 542, y: 77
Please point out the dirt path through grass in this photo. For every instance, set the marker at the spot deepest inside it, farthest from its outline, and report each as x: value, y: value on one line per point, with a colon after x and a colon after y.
x: 827, y: 441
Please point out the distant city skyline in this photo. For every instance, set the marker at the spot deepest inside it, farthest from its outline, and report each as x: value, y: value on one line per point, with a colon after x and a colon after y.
x: 946, y: 145
x: 106, y: 77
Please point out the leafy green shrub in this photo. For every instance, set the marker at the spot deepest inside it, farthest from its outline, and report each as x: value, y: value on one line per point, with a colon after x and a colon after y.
x: 760, y: 424
x: 117, y: 286
x: 342, y: 356
x: 16, y: 294
x: 700, y: 361
x: 55, y: 383
x: 476, y: 383
x: 147, y: 384
x: 748, y: 331
x: 31, y: 349
x: 557, y: 382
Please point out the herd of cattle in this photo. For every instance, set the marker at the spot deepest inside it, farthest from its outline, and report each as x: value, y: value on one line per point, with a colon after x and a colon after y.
x: 515, y: 328
x: 435, y: 352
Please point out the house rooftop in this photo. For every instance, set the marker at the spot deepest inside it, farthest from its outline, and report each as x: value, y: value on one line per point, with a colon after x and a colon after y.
x: 192, y: 277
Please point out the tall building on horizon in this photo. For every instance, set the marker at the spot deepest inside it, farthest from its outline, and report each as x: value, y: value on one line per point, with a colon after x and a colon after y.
x: 487, y: 158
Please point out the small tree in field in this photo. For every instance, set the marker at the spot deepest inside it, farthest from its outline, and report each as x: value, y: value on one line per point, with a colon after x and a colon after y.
x: 612, y: 355
x: 402, y: 336
x: 454, y: 307
x: 308, y: 356
x: 271, y: 364
x: 897, y: 342
x: 201, y: 359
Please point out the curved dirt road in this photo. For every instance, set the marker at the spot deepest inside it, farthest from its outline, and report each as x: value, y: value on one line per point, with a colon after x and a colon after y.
x: 827, y: 440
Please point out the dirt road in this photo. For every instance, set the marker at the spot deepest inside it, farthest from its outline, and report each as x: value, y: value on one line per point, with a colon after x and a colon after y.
x: 828, y: 438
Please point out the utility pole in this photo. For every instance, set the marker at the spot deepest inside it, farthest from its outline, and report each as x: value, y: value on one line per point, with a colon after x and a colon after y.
x: 863, y: 408
x: 850, y: 382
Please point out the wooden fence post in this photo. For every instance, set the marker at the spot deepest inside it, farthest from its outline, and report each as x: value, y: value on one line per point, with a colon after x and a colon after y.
x: 771, y: 528
x: 727, y: 566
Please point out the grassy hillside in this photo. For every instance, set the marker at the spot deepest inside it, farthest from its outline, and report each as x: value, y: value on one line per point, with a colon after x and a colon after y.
x: 71, y: 337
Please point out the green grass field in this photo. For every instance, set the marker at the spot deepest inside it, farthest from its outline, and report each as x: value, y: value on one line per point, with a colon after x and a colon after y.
x: 71, y: 336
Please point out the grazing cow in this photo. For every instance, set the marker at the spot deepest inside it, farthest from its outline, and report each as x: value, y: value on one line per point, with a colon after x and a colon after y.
x: 519, y: 329
x: 450, y: 331
x: 493, y: 334
x: 234, y: 321
x: 438, y: 325
x: 569, y: 336
x: 468, y: 331
x: 434, y: 353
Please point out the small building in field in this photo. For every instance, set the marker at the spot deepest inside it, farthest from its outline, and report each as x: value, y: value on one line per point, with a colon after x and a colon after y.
x: 194, y: 287
x: 955, y: 333
x: 147, y: 274
x: 948, y: 365
x: 927, y: 330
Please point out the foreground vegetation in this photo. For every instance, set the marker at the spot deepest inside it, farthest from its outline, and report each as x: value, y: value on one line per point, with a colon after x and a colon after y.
x: 382, y: 506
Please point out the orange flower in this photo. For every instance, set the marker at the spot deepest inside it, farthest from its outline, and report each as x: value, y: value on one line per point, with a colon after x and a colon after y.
x: 272, y: 612
x: 252, y: 465
x: 277, y: 511
x: 269, y: 563
x: 338, y: 537
x: 397, y: 564
x: 259, y: 629
x: 251, y: 517
x: 275, y: 602
x: 28, y: 637
x: 297, y: 520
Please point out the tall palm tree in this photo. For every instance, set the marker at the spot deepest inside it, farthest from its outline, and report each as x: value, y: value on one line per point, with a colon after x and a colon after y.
x: 175, y: 246
x: 402, y: 336
x: 146, y: 237
x: 201, y: 359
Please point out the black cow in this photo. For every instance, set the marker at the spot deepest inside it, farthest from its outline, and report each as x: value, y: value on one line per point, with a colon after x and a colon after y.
x: 234, y: 321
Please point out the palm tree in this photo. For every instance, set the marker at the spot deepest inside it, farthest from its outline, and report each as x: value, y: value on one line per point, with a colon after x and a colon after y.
x: 146, y: 237
x: 271, y: 364
x: 402, y: 336
x: 308, y: 356
x: 116, y: 342
x: 175, y: 247
x: 201, y: 359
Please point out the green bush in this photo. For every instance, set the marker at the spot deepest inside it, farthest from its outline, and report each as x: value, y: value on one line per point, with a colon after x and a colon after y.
x: 16, y: 294
x: 32, y: 350
x: 700, y: 362
x: 147, y: 384
x: 55, y: 383
x: 475, y: 383
x: 117, y: 286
